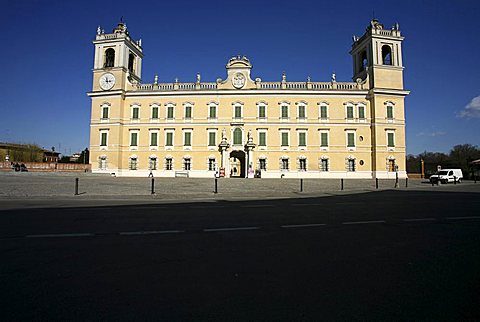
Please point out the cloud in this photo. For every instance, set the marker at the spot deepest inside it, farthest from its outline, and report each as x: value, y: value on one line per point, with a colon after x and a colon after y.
x: 432, y: 134
x: 472, y: 110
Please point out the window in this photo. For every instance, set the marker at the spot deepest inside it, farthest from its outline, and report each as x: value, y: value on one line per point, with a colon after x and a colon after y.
x: 324, y: 139
x: 187, y: 139
x: 212, y: 112
x: 301, y: 112
x: 262, y: 164
x: 284, y: 138
x: 237, y: 136
x: 350, y: 139
x: 153, y: 138
x: 105, y: 112
x: 135, y: 112
x: 238, y: 111
x: 131, y: 62
x: 391, y: 165
x: 302, y: 140
x: 262, y: 139
x: 386, y: 55
x: 168, y: 164
x: 154, y: 112
x: 323, y: 112
x: 170, y: 112
x: 212, y: 138
x: 363, y: 61
x: 133, y: 138
x: 188, y: 112
x: 350, y: 112
x: 361, y: 112
x: 169, y: 139
x: 351, y: 165
x: 103, y: 138
x: 133, y: 163
x: 152, y: 164
x: 302, y: 164
x: 211, y: 164
x: 324, y: 165
x: 389, y: 112
x: 262, y: 111
x: 390, y: 139
x: 187, y: 163
x: 109, y: 57
x: 284, y: 112
x: 102, y: 163
x: 284, y: 164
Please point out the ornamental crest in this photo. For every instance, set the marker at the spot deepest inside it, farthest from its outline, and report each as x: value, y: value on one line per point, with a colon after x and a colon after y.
x: 238, y: 80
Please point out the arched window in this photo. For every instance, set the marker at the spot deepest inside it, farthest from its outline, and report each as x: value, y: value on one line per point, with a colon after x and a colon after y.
x: 131, y: 60
x: 109, y: 57
x: 237, y: 136
x: 363, y: 61
x: 386, y: 55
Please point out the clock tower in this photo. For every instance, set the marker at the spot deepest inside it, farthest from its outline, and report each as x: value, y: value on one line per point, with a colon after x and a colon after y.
x: 118, y: 60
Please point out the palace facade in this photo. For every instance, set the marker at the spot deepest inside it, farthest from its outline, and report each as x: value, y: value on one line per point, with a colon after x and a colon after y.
x: 244, y: 127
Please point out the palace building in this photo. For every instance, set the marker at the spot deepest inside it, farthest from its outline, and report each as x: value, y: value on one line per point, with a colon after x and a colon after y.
x: 245, y: 127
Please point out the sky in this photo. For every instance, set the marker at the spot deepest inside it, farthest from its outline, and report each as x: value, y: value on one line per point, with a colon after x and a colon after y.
x: 47, y: 55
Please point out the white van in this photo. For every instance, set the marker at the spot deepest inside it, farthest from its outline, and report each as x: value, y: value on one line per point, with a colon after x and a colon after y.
x: 447, y: 175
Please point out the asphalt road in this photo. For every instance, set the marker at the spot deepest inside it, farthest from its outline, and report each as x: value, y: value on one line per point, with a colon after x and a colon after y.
x: 389, y: 255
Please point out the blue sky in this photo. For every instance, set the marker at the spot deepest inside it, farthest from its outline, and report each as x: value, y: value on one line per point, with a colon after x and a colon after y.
x: 47, y: 57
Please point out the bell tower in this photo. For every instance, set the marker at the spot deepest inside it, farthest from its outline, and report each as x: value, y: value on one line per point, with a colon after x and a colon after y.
x: 118, y: 60
x: 377, y: 55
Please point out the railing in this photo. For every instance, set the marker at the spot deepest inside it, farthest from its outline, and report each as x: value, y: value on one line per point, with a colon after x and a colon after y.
x: 349, y: 86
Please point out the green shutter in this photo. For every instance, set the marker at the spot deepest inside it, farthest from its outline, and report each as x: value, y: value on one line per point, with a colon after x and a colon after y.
x: 153, y: 139
x: 154, y: 112
x: 390, y: 140
x: 105, y: 113
x: 284, y: 112
x: 133, y: 141
x: 361, y: 112
x: 237, y: 136
x: 349, y: 112
x: 135, y: 113
x: 188, y: 139
x: 213, y: 112
x: 284, y: 139
x: 170, y: 112
x: 211, y: 139
x: 262, y: 139
x: 389, y: 112
x: 324, y: 139
x: 323, y: 112
x: 169, y: 139
x: 261, y: 111
x: 301, y: 139
x: 103, y: 139
x: 188, y: 112
x: 301, y: 112
x: 351, y: 140
x: 238, y: 111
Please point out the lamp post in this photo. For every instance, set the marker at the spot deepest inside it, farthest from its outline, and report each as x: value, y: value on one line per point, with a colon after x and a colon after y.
x: 396, y: 176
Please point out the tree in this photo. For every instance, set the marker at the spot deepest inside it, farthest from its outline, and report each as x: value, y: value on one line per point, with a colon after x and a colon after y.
x: 84, y: 157
x: 462, y: 155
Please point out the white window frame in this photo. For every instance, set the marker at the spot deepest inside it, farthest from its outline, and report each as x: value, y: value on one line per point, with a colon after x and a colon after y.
x: 391, y: 104
x: 167, y: 132
x: 305, y: 106
x: 102, y: 108
x: 327, y: 132
x: 347, y: 105
x: 184, y: 163
x: 361, y: 105
x: 165, y: 163
x: 102, y: 160
x: 167, y: 106
x: 215, y: 105
x: 130, y: 162
x: 285, y: 147
x: 234, y: 106
x: 232, y: 136
x: 150, y: 158
x: 103, y: 147
x: 288, y: 163
x: 350, y: 148
x: 212, y: 147
x: 209, y: 168
x: 320, y: 165
x: 151, y: 131
x: 185, y: 106
x: 134, y: 147
x: 323, y: 119
x: 299, y: 160
x: 152, y: 106
x: 265, y: 105
x: 132, y: 108
x: 298, y: 139
x: 387, y: 132
x: 287, y: 105
x: 264, y: 131
x: 185, y: 131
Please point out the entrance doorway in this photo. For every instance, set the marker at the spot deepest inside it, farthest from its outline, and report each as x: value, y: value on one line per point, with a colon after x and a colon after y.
x: 237, y: 164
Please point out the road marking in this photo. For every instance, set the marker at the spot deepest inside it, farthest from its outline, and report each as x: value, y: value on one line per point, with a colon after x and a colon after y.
x: 150, y: 232
x: 307, y: 204
x: 302, y: 225
x: 60, y: 235
x: 364, y: 222
x: 468, y: 217
x: 255, y: 206
x: 229, y: 229
x: 419, y: 219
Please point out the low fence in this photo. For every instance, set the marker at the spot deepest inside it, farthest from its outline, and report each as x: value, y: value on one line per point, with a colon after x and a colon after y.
x: 46, y: 166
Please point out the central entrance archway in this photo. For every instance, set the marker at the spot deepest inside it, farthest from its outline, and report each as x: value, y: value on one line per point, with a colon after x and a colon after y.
x: 237, y: 164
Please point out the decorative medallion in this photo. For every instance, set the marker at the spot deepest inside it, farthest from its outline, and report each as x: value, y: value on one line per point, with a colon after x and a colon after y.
x: 238, y: 80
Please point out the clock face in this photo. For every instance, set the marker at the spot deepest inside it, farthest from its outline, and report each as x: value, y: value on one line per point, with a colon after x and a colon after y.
x: 107, y: 81
x: 238, y: 80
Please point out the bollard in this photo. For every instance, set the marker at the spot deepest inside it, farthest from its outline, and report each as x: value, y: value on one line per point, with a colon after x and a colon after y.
x: 301, y: 185
x: 431, y: 182
x: 76, y: 186
x: 153, y: 186
x: 216, y: 186
x: 341, y: 184
x: 406, y: 182
x: 376, y: 183
x: 454, y: 180
x: 396, y: 180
